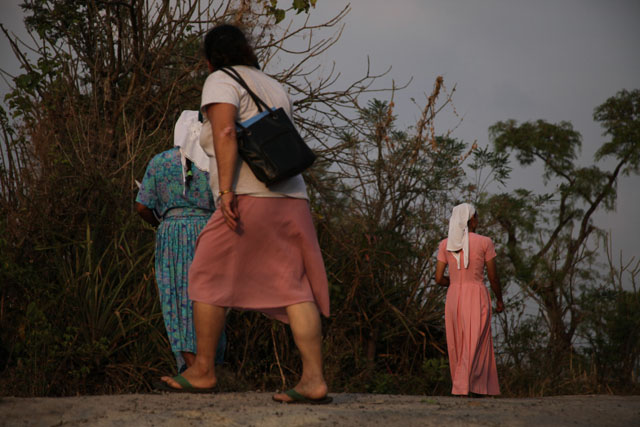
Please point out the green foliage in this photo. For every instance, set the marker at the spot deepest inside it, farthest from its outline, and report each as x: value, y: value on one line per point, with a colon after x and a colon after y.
x: 79, y: 306
x: 437, y: 372
x: 612, y: 328
x: 521, y: 355
x: 78, y: 287
x: 552, y: 247
x: 298, y: 5
x: 555, y: 144
x: 87, y: 119
x: 494, y: 164
x: 620, y: 118
x: 92, y: 334
x: 554, y: 262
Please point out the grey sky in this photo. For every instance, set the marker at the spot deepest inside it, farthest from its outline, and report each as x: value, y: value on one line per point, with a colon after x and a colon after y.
x: 521, y: 59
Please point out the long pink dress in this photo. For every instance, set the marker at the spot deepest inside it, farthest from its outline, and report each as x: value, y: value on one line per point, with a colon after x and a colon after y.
x: 468, y: 320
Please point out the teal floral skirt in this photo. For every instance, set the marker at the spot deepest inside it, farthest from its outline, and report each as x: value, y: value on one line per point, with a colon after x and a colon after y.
x: 175, y: 246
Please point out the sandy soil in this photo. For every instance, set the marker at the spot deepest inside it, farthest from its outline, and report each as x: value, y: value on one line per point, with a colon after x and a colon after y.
x: 257, y: 409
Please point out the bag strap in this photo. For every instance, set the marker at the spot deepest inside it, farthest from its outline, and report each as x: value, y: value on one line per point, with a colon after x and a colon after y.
x: 236, y: 76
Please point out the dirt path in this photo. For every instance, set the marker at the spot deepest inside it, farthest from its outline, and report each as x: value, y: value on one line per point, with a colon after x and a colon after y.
x: 257, y: 409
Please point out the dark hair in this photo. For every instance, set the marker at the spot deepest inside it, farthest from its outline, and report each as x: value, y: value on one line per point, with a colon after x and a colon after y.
x: 475, y: 215
x: 226, y: 45
x: 189, y: 174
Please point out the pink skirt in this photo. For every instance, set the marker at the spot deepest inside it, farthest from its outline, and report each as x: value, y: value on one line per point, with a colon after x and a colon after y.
x: 469, y: 342
x: 271, y: 262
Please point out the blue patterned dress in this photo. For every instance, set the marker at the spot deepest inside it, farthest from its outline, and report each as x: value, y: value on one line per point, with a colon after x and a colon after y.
x: 183, y: 214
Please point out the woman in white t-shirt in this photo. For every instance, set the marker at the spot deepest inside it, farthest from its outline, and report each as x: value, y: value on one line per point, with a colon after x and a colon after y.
x: 259, y: 251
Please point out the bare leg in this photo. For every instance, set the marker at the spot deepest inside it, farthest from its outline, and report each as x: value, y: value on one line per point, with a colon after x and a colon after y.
x: 208, y: 321
x: 307, y: 334
x: 188, y: 357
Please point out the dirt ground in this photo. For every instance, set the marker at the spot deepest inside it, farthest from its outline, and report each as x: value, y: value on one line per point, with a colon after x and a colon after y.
x: 257, y: 409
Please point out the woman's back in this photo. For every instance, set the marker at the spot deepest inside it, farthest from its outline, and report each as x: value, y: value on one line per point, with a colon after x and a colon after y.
x: 163, y: 188
x: 220, y: 85
x: 221, y: 88
x: 481, y: 249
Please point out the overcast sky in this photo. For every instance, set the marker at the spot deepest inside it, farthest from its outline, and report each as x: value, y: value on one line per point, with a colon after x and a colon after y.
x: 521, y: 59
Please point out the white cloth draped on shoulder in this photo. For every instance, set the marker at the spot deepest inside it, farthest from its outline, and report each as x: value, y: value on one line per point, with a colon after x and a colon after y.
x: 458, y: 237
x: 186, y: 135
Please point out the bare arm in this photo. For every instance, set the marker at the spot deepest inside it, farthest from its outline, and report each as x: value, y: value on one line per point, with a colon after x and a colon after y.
x: 492, y: 273
x: 147, y: 214
x: 222, y: 118
x: 441, y: 279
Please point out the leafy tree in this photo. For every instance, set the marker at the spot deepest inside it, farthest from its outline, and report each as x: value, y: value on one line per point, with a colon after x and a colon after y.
x: 79, y: 310
x: 96, y: 102
x: 550, y: 239
x: 611, y: 325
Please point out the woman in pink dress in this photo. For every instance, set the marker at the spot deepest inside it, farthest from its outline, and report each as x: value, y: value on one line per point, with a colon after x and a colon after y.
x: 259, y: 251
x: 468, y: 305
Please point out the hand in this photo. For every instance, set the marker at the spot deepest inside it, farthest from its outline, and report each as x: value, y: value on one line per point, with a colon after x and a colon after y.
x: 147, y: 214
x: 229, y: 206
x: 499, y: 306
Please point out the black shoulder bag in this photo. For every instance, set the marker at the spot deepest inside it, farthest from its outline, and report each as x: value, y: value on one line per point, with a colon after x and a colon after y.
x: 268, y: 142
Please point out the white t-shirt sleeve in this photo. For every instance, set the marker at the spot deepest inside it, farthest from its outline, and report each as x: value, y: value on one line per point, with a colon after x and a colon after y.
x: 220, y: 88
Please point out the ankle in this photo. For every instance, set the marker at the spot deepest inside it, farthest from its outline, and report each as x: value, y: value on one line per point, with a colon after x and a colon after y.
x: 315, y: 383
x: 203, y: 367
x: 313, y: 379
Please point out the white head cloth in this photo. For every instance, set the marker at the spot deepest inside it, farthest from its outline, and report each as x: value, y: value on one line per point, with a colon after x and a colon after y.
x: 459, y: 232
x: 186, y: 135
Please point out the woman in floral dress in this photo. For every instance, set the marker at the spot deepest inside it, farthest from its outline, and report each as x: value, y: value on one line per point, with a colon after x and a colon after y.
x: 175, y: 196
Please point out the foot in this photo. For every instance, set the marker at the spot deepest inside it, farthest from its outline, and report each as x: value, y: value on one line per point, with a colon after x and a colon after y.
x: 197, y: 377
x: 476, y: 395
x: 315, y: 390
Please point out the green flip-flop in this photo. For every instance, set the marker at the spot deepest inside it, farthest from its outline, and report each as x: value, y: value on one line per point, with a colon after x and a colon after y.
x: 298, y: 398
x: 186, y: 386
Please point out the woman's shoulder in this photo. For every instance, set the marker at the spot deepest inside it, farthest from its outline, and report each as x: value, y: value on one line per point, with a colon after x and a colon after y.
x: 167, y: 155
x: 484, y: 240
x: 442, y: 251
x: 246, y: 72
x: 259, y: 80
x: 253, y: 72
x: 473, y: 235
x: 220, y: 86
x: 219, y: 76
